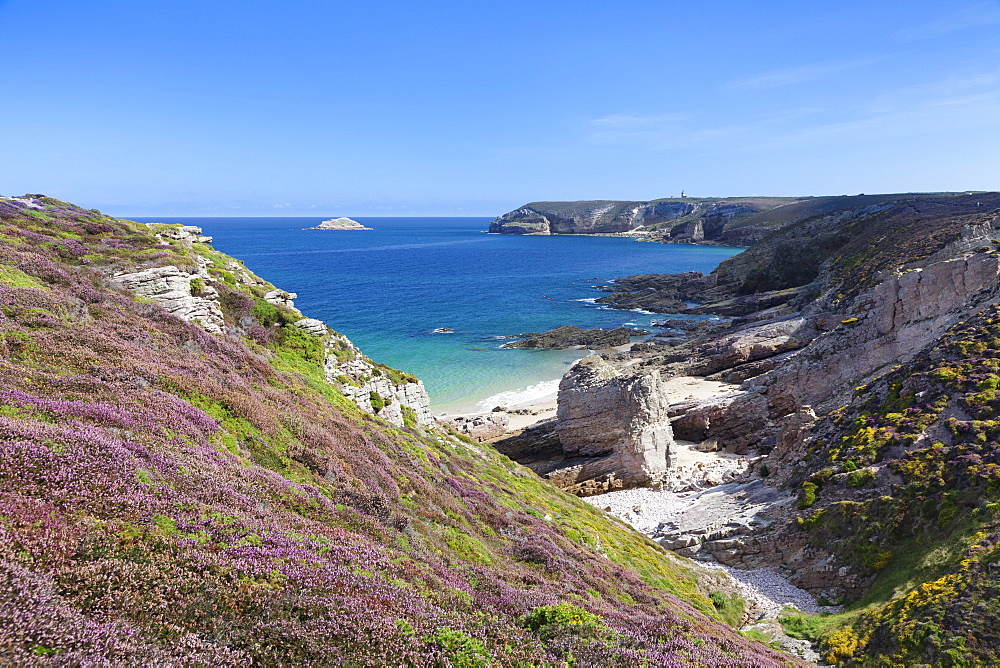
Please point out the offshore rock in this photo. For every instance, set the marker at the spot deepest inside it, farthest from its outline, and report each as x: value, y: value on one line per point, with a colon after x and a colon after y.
x: 569, y: 336
x: 341, y: 223
x: 602, y: 413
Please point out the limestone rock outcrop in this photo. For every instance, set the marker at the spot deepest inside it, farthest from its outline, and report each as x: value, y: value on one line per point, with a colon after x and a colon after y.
x: 189, y: 233
x: 396, y: 397
x: 602, y: 413
x: 751, y: 344
x: 281, y: 298
x: 482, y: 428
x: 892, y: 322
x: 735, y: 421
x: 171, y: 288
x: 189, y: 293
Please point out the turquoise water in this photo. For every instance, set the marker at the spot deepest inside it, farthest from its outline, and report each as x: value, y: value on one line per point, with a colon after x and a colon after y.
x: 389, y: 288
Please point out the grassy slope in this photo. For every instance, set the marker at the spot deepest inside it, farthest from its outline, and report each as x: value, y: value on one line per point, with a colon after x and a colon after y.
x: 169, y: 496
x: 905, y: 482
x: 932, y: 542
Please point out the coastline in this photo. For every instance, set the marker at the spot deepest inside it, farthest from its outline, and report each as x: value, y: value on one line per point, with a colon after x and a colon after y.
x: 533, y: 403
x: 542, y: 408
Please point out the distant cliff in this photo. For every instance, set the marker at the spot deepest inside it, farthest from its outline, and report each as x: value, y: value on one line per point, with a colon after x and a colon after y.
x: 689, y: 220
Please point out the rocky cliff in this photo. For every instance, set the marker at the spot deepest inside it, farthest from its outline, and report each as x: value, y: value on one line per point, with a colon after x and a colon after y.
x: 182, y: 484
x: 863, y: 342
x: 190, y: 293
x: 687, y: 220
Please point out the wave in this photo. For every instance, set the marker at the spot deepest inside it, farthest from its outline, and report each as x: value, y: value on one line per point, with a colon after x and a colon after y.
x: 544, y: 391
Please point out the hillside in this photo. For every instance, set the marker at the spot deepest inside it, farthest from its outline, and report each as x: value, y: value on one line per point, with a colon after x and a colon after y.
x: 192, y: 472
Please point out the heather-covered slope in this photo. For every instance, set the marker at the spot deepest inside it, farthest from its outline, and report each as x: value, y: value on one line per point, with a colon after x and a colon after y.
x: 173, y: 496
x: 904, y: 487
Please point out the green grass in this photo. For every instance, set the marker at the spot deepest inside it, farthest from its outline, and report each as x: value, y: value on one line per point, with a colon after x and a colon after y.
x: 812, y: 627
x: 16, y: 278
x: 914, y: 563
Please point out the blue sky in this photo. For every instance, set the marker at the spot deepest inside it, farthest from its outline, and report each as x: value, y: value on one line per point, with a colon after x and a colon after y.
x: 303, y: 107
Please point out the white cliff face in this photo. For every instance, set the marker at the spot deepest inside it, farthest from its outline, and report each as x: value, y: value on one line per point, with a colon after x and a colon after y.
x: 189, y: 294
x: 171, y: 288
x: 371, y: 387
x: 185, y: 292
x: 601, y: 412
x: 281, y: 298
x: 184, y: 233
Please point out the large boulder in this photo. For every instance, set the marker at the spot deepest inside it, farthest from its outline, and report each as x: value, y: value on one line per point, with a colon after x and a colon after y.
x: 602, y: 412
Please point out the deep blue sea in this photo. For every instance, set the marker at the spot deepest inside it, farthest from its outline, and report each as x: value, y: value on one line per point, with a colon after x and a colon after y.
x: 390, y: 288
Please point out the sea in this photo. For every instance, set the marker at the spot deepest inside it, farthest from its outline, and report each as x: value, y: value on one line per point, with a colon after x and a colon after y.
x: 398, y: 289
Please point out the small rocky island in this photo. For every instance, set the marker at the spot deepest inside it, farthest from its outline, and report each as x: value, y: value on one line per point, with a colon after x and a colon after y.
x: 569, y: 336
x: 341, y: 223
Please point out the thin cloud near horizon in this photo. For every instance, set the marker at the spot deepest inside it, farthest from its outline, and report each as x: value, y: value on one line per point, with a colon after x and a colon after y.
x: 797, y: 75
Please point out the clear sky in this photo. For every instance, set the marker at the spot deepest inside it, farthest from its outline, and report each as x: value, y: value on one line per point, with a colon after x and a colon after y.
x: 371, y: 107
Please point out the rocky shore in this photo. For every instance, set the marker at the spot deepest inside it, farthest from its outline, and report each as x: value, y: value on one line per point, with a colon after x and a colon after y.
x: 850, y: 348
x: 570, y: 336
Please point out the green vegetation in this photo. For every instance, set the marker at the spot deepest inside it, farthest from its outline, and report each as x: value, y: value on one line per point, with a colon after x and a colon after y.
x: 563, y: 615
x: 462, y: 650
x: 16, y: 278
x: 808, y: 496
x: 730, y: 608
x: 231, y: 506
x: 930, y: 546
